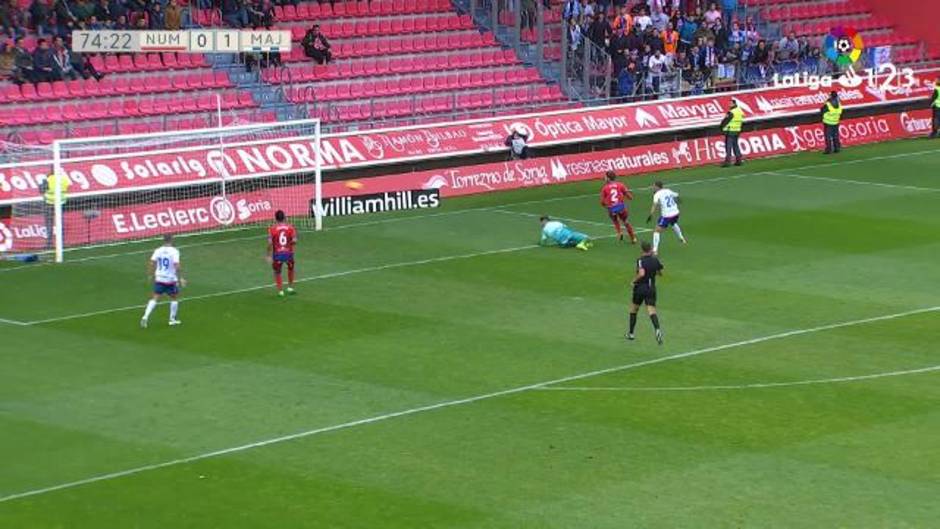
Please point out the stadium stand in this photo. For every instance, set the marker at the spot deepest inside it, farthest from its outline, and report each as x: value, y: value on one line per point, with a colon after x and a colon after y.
x: 407, y: 61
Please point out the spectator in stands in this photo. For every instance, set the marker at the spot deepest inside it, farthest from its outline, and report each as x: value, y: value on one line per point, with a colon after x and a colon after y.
x: 63, y: 16
x: 82, y: 9
x: 623, y: 21
x: 687, y: 28
x: 659, y: 19
x: 173, y: 16
x: 528, y: 14
x: 118, y: 9
x: 728, y: 8
x: 658, y: 66
x: 626, y: 81
x: 708, y: 62
x: 670, y: 40
x: 234, y: 13
x: 643, y: 20
x: 760, y: 58
x: 103, y: 12
x: 120, y: 23
x: 23, y: 71
x: 7, y: 59
x: 712, y: 15
x: 84, y: 68
x: 618, y: 50
x: 40, y: 16
x: 572, y: 10
x: 62, y: 60
x: 750, y: 31
x: 737, y: 34
x: 261, y: 14
x: 43, y: 64
x: 682, y: 65
x: 789, y: 48
x: 587, y: 12
x: 10, y: 19
x: 316, y: 46
x: 517, y: 143
x: 575, y: 37
x: 157, y: 17
x: 599, y: 31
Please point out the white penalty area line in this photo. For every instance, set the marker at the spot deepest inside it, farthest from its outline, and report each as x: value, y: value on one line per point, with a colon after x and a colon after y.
x: 13, y: 322
x: 858, y: 182
x: 760, y: 385
x: 451, y: 404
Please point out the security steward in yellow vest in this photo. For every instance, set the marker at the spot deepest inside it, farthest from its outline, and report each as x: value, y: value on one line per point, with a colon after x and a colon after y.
x: 831, y: 117
x: 48, y: 189
x: 935, y: 104
x: 731, y: 126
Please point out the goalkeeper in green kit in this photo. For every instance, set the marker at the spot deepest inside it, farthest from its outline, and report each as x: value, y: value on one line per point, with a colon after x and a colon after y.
x: 555, y: 233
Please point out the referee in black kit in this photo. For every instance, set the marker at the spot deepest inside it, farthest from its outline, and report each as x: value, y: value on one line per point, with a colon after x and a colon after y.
x: 644, y: 290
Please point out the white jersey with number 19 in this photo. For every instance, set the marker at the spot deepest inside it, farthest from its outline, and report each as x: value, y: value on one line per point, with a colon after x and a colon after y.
x: 667, y: 201
x: 166, y: 259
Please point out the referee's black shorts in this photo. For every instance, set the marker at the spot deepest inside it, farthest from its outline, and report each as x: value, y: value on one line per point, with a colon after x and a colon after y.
x: 644, y: 294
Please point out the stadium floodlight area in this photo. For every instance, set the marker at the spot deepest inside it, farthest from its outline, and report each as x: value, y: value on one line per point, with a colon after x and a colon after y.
x: 141, y: 186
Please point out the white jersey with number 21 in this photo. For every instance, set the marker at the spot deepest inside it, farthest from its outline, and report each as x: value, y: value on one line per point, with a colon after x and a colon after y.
x: 165, y: 260
x: 666, y: 199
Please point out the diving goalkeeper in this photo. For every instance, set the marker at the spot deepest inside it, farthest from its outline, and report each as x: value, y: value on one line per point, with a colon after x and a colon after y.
x: 555, y: 233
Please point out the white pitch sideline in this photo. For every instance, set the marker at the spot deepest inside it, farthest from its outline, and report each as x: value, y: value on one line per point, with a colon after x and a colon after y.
x: 457, y: 402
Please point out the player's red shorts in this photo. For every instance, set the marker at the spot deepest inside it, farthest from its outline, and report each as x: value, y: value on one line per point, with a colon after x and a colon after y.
x: 280, y: 258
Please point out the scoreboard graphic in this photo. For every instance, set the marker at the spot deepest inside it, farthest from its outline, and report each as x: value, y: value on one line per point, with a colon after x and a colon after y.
x: 187, y: 41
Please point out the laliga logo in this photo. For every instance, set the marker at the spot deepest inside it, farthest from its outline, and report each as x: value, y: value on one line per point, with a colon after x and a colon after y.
x: 682, y: 153
x: 6, y: 238
x: 222, y: 211
x: 843, y: 46
x: 559, y: 173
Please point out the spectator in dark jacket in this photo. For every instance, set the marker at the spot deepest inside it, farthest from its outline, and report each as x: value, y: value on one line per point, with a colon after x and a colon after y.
x: 40, y: 14
x: 23, y: 71
x: 157, y: 16
x: 84, y: 68
x: 43, y: 64
x: 103, y: 12
x: 234, y: 13
x: 261, y: 14
x: 63, y: 15
x: 118, y: 8
x: 599, y: 30
x: 316, y: 46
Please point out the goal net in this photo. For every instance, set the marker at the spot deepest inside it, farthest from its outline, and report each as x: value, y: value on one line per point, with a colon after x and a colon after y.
x: 136, y: 187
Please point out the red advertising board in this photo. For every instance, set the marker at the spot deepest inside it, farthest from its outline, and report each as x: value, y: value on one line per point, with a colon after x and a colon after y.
x: 144, y: 220
x: 135, y: 171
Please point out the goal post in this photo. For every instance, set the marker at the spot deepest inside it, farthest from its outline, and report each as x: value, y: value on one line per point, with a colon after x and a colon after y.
x: 141, y: 186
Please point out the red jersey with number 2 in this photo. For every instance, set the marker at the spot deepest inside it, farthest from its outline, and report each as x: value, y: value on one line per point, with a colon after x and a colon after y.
x: 613, y: 194
x: 283, y: 237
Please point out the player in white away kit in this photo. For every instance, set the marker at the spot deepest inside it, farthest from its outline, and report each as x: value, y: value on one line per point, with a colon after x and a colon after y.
x: 165, y: 270
x: 667, y: 201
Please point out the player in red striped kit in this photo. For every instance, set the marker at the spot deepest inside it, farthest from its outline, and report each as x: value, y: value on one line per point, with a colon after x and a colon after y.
x: 281, y: 240
x: 613, y: 195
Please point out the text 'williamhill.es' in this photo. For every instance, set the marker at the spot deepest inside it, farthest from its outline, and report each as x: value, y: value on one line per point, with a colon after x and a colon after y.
x: 379, y: 202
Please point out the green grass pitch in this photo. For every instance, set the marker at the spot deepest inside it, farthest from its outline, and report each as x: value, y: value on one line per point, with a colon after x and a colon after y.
x: 438, y: 370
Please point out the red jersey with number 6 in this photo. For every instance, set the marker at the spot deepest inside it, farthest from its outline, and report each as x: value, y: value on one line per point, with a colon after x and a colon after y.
x: 613, y: 194
x: 283, y: 238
